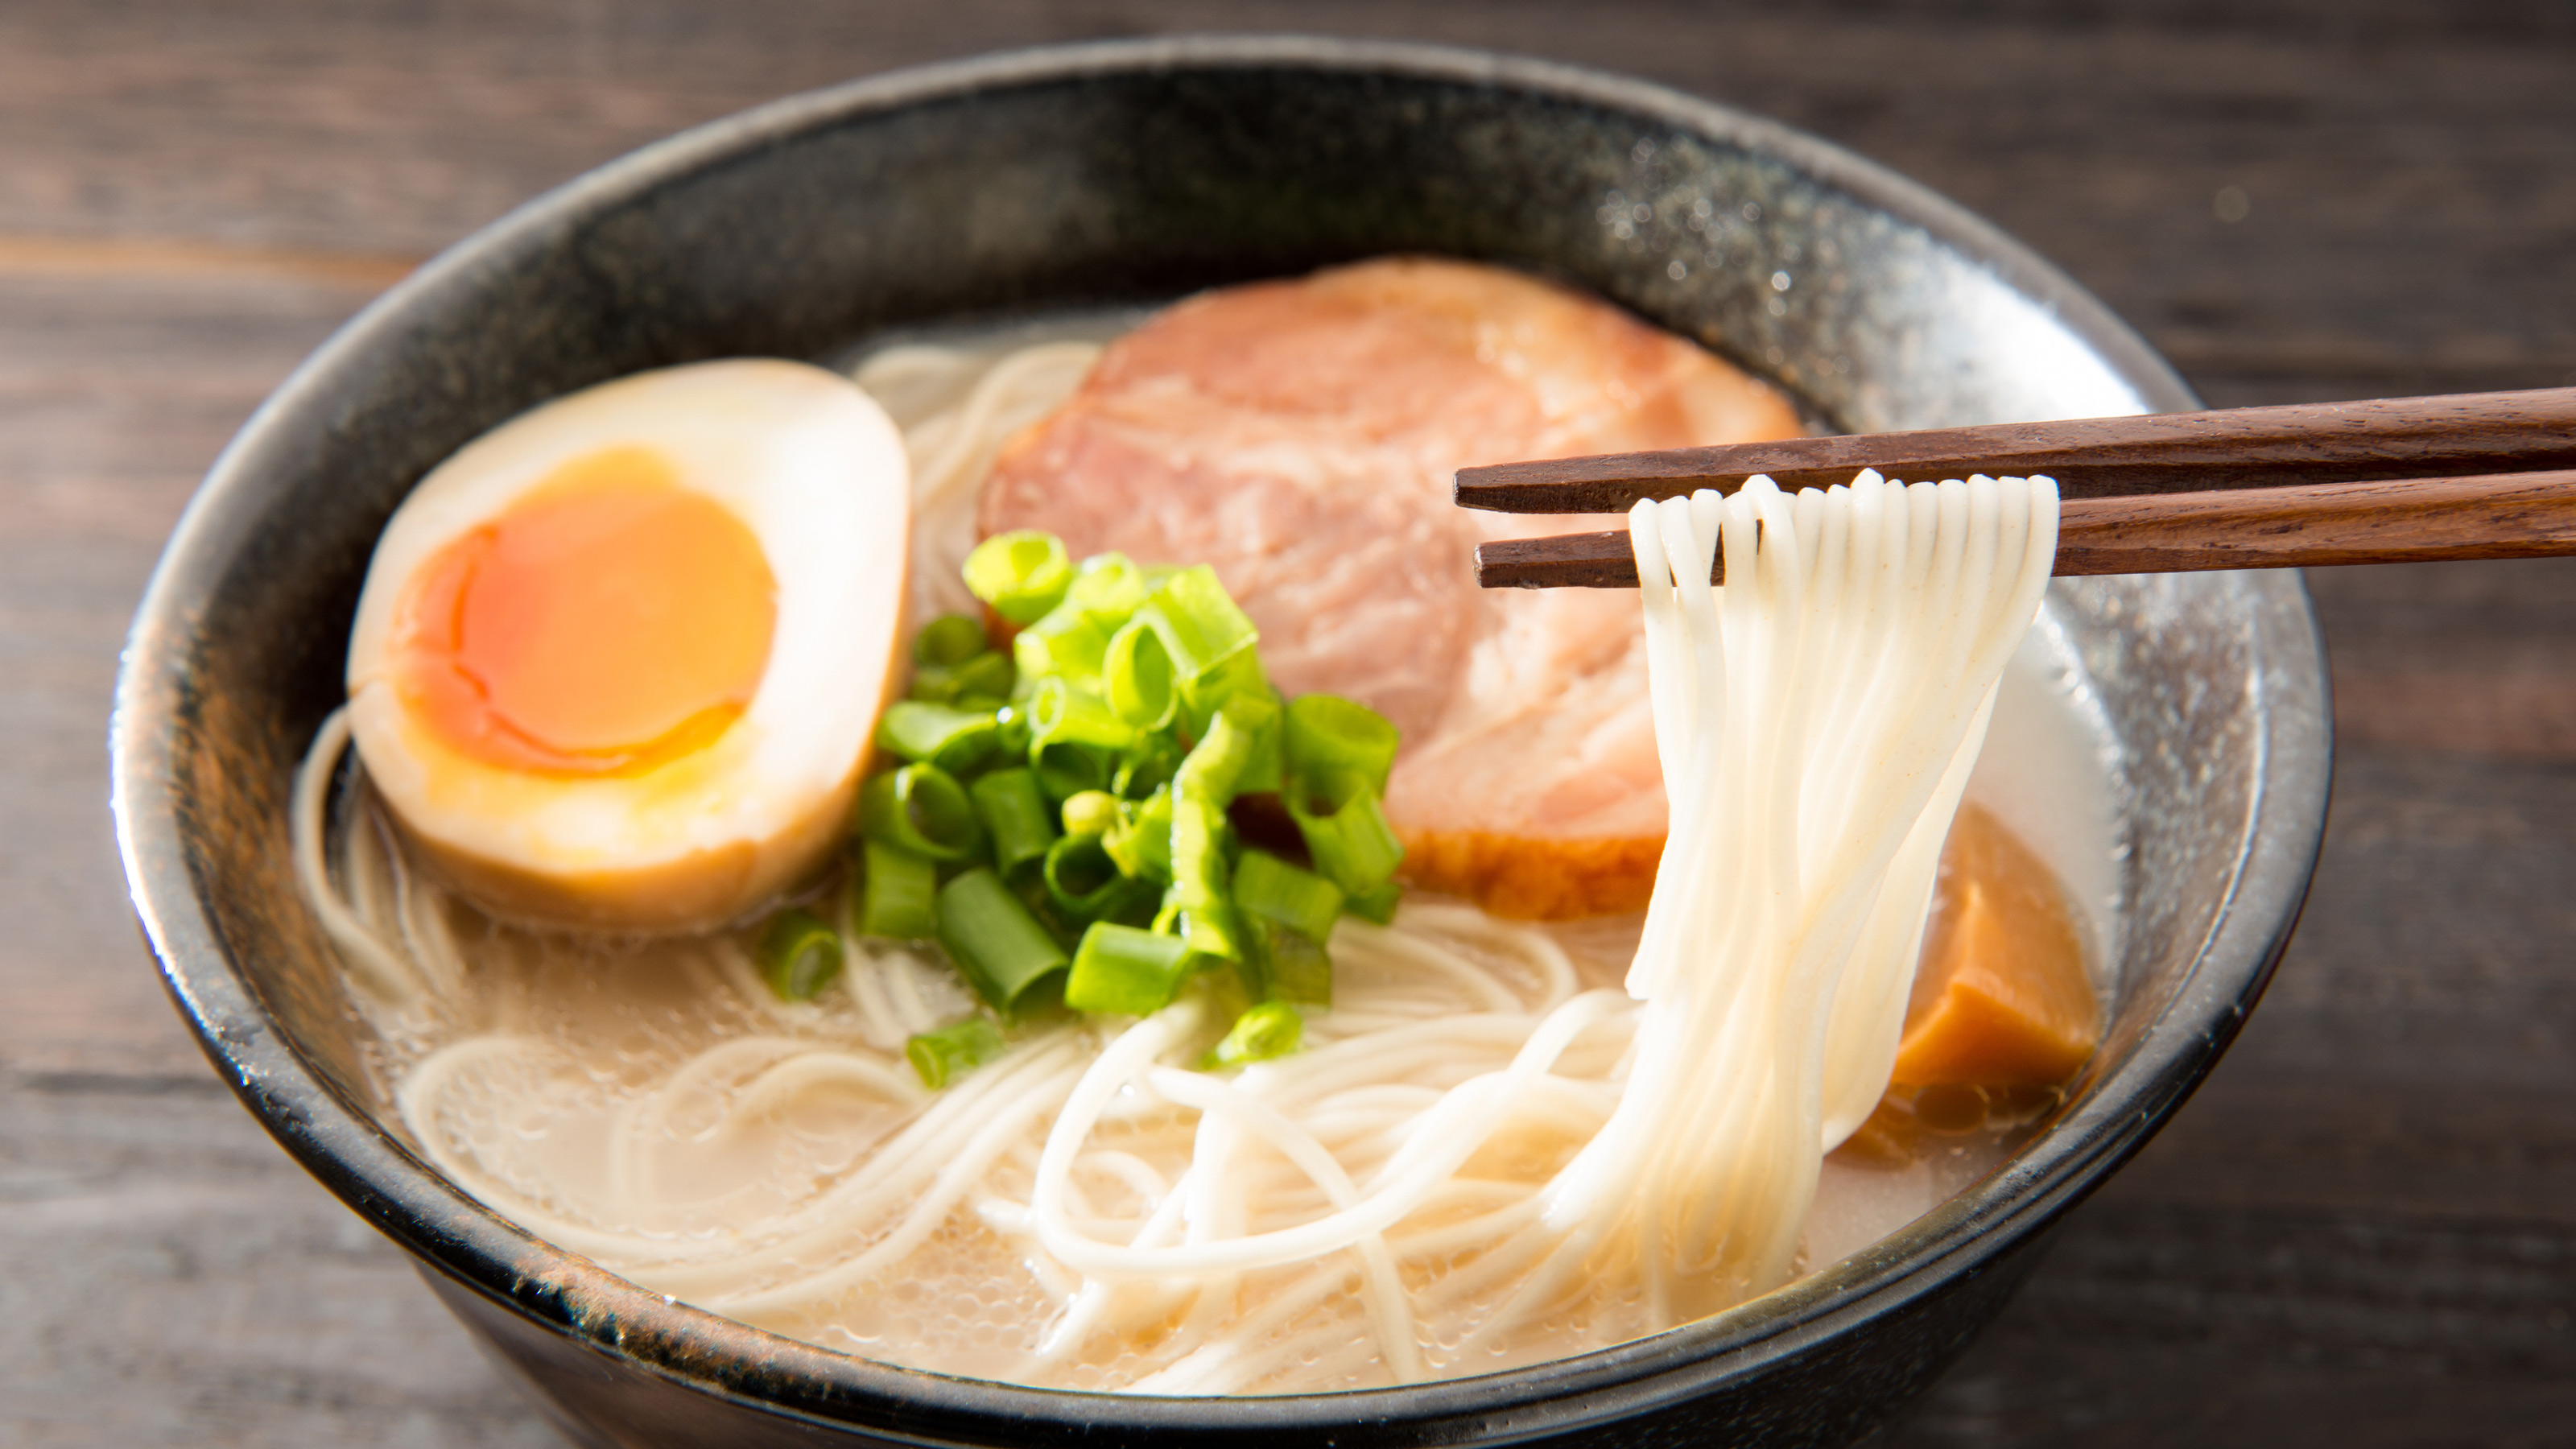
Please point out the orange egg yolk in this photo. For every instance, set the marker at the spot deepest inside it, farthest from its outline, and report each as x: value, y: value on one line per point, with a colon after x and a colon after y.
x: 607, y: 622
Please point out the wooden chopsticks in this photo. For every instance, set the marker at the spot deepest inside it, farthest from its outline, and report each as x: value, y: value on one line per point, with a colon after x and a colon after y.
x: 2423, y: 520
x: 2476, y: 475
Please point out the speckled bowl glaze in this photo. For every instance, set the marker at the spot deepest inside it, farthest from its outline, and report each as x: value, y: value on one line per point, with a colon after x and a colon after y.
x: 1134, y: 172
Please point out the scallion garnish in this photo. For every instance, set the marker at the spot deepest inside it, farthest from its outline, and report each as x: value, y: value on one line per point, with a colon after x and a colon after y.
x: 1090, y: 812
x: 1078, y: 872
x: 956, y: 740
x: 1080, y: 782
x: 1074, y: 739
x: 1352, y: 845
x: 1302, y: 901
x: 1146, y: 768
x: 1125, y: 971
x: 896, y: 892
x: 1269, y: 1029
x: 1003, y: 951
x: 1021, y: 574
x: 1201, y: 875
x: 1011, y: 731
x: 1108, y: 588
x: 1201, y: 698
x: 1294, y: 966
x: 1290, y: 914
x: 978, y: 683
x: 1064, y: 645
x: 1200, y: 625
x: 1328, y: 732
x: 949, y: 639
x: 1212, y: 930
x: 1082, y: 881
x: 1141, y: 841
x: 1377, y: 905
x: 922, y: 809
x: 1216, y: 765
x: 799, y: 955
x: 1066, y: 768
x: 944, y: 1054
x: 1062, y: 711
x: 1016, y: 819
x: 1136, y: 675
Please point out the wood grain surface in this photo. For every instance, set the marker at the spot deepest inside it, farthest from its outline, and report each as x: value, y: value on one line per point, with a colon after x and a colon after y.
x: 2361, y: 1232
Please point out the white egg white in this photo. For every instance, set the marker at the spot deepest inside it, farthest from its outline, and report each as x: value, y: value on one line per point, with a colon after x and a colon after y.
x: 814, y: 469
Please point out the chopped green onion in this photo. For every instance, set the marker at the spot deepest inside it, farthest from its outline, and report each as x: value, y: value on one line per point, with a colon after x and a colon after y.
x: 1136, y: 675
x: 1265, y: 769
x: 1147, y: 768
x: 1202, y: 697
x: 1291, y: 913
x: 895, y: 896
x: 1065, y: 644
x: 1252, y: 973
x: 933, y: 684
x: 1073, y: 738
x: 1137, y: 700
x: 1199, y: 623
x: 1328, y: 732
x: 1200, y: 835
x: 1302, y: 901
x: 1126, y: 971
x: 1084, y: 885
x: 1108, y: 588
x: 1066, y: 769
x: 799, y: 955
x: 1141, y: 841
x: 1136, y: 903
x: 1090, y: 812
x: 1016, y: 819
x: 1377, y: 905
x: 980, y: 682
x: 956, y: 740
x: 1271, y: 1029
x: 1022, y: 574
x: 1064, y: 927
x: 1207, y: 919
x: 949, y: 639
x: 1080, y: 876
x: 1002, y: 950
x: 1218, y: 761
x: 924, y: 810
x: 1212, y: 930
x: 1062, y: 711
x: 1337, y: 812
x: 1011, y: 731
x: 943, y: 1055
x: 1294, y: 966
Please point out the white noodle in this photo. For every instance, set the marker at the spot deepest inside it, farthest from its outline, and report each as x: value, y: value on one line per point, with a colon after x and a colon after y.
x: 375, y: 967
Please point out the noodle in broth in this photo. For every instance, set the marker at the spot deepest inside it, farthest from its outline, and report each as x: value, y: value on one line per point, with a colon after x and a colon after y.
x: 1488, y: 1153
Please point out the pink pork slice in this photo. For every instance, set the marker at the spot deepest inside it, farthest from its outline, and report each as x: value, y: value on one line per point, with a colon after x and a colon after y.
x: 1300, y: 437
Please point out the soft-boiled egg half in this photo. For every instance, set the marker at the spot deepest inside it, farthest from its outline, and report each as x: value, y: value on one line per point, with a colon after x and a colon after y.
x: 618, y: 660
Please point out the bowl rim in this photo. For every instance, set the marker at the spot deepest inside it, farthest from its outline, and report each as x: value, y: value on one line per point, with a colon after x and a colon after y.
x: 335, y: 1140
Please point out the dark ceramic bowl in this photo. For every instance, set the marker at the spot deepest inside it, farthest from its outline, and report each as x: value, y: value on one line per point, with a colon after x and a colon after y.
x: 1131, y: 173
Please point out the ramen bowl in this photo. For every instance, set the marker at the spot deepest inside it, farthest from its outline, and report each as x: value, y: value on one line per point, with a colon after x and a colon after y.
x: 1125, y: 174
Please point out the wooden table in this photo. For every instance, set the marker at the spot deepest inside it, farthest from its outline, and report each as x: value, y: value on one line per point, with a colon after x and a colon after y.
x: 2361, y: 1232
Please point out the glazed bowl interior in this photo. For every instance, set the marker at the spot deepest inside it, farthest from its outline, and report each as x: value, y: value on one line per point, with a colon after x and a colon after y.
x: 1127, y: 174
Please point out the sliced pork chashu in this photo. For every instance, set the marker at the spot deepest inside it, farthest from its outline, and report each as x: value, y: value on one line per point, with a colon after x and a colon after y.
x: 1300, y: 436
